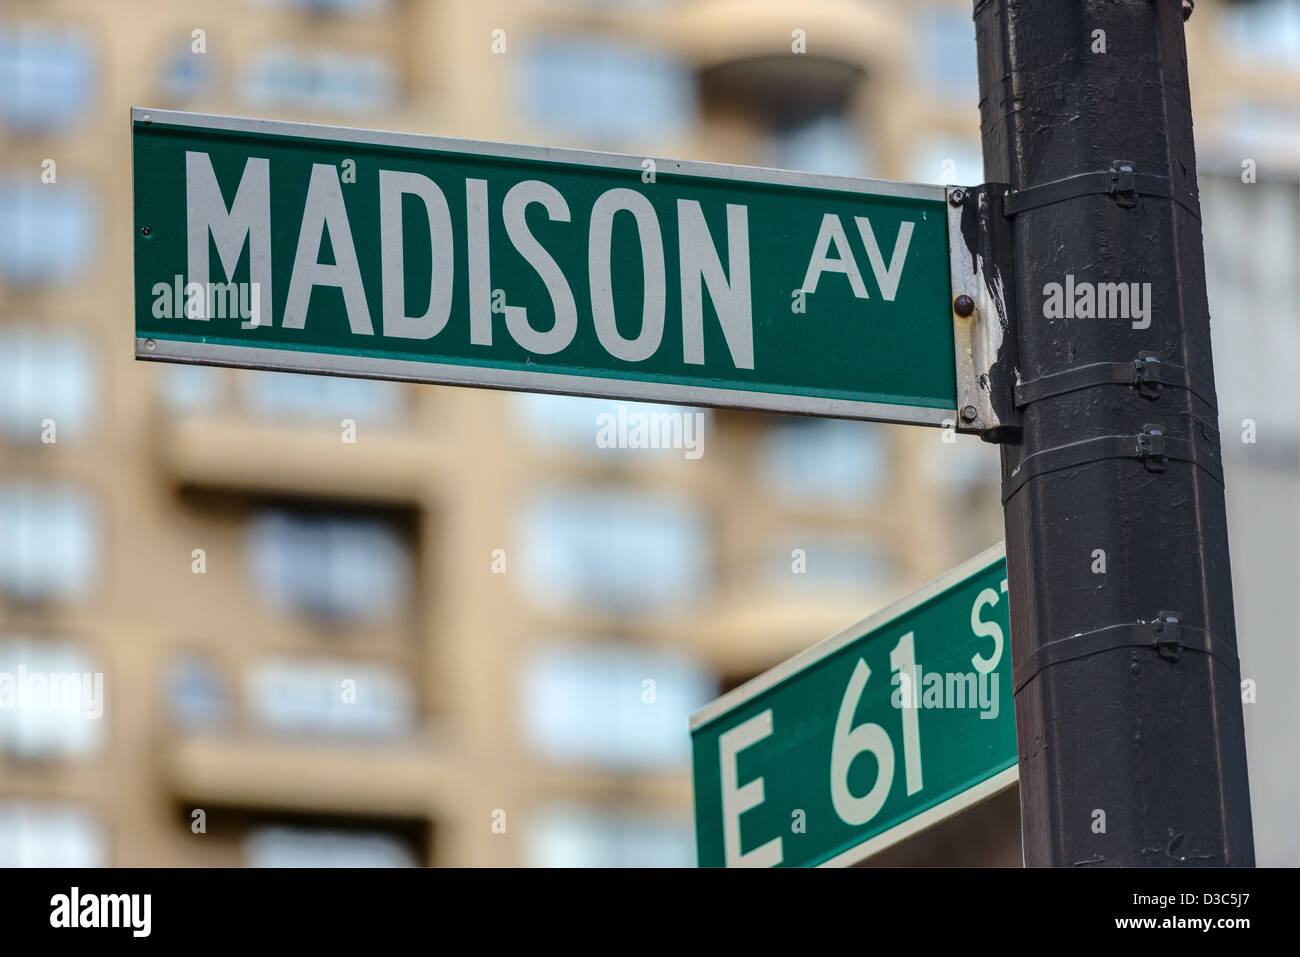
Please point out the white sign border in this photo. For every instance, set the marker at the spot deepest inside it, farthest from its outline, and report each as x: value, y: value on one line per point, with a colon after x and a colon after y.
x: 976, y: 794
x: 549, y: 154
x: 519, y: 380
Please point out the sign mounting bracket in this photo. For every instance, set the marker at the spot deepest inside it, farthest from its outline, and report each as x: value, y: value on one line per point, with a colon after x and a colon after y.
x: 983, y: 312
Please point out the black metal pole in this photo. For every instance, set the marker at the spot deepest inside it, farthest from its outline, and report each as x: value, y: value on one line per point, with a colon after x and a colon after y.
x: 1128, y: 708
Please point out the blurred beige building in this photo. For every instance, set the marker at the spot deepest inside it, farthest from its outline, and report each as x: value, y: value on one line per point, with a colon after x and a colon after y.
x: 471, y: 636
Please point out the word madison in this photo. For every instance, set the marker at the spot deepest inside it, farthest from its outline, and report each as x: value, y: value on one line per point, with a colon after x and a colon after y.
x: 246, y: 223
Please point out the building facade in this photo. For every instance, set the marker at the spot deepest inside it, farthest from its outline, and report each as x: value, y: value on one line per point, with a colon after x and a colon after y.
x: 342, y: 622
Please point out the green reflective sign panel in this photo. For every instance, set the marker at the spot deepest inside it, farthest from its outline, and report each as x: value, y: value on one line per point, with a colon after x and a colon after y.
x: 866, y: 738
x: 309, y: 248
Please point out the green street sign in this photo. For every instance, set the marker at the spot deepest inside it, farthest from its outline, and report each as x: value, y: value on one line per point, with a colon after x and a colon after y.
x: 388, y: 255
x: 866, y: 738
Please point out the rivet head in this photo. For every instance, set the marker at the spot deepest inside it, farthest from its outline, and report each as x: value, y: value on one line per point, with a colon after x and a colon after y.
x: 963, y: 305
x: 968, y: 413
x: 144, y: 230
x: 957, y: 197
x: 150, y: 345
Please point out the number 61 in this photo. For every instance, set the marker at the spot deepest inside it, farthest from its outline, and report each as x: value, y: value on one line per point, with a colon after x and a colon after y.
x: 849, y: 742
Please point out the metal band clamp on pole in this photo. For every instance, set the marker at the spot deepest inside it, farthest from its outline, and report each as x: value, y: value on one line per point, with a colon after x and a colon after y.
x: 1121, y: 182
x: 1166, y: 635
x: 1151, y: 447
x: 1147, y: 374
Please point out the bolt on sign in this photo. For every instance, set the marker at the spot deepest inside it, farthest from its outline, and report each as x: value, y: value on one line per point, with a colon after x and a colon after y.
x: 316, y: 249
x: 867, y: 738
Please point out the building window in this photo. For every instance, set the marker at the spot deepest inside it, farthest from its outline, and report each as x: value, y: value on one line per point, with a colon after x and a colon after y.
x: 953, y: 161
x: 331, y: 697
x: 831, y: 563
x: 618, y: 4
x: 619, y: 707
x: 196, y: 691
x: 50, y: 834
x: 51, y: 699
x: 1262, y: 31
x: 47, y: 385
x: 598, y: 88
x: 617, y: 550
x: 967, y: 463
x: 945, y: 51
x: 279, y: 846
x: 185, y: 74
x: 337, y: 569
x: 47, y: 233
x: 1265, y: 130
x: 831, y: 461
x: 321, y: 398
x: 1252, y: 243
x: 577, y: 423
x: 352, y: 8
x: 46, y: 78
x: 320, y: 80
x: 572, y: 836
x: 49, y: 541
x: 829, y: 144
x: 190, y: 390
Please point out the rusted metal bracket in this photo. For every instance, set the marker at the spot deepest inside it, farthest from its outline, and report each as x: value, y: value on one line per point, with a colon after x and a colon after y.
x: 983, y: 287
